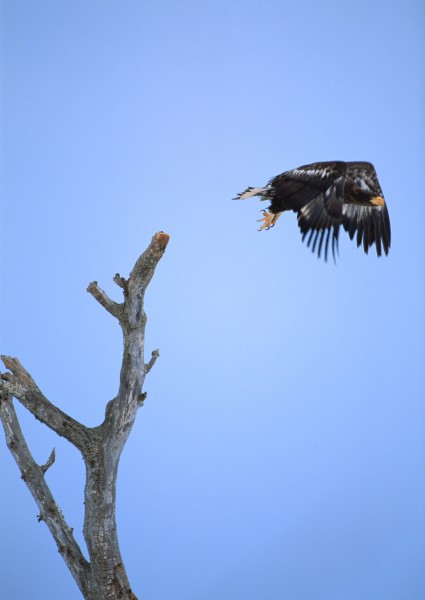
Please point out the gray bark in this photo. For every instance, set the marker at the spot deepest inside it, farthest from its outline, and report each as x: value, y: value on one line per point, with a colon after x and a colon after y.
x: 103, y: 576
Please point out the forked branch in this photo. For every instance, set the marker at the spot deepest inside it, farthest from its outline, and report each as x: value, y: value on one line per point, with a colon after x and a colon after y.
x: 19, y: 383
x: 103, y: 577
x: 33, y: 476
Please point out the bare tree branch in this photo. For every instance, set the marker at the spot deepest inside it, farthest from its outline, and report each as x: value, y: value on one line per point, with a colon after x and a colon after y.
x: 133, y: 324
x: 141, y: 275
x: 104, y: 577
x: 121, y: 282
x: 49, y: 462
x: 21, y: 385
x: 33, y: 476
x: 150, y: 364
x: 113, y: 307
x: 121, y: 413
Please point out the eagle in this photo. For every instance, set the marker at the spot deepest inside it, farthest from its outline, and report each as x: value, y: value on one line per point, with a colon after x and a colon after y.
x: 326, y: 195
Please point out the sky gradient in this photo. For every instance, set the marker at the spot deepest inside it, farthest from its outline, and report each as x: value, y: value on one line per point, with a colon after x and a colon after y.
x: 280, y: 452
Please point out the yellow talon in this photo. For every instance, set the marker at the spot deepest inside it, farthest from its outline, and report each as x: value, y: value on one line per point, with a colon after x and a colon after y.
x: 269, y: 220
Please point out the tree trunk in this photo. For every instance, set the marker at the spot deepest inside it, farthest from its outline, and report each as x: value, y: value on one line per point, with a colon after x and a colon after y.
x: 103, y: 577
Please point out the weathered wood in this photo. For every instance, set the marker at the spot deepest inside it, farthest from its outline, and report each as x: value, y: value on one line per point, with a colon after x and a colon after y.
x: 103, y: 577
x: 33, y: 476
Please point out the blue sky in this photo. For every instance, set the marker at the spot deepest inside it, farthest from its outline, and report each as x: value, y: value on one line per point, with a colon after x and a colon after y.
x: 280, y: 453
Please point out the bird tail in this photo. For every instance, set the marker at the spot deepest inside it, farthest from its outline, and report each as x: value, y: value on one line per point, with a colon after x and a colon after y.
x: 251, y: 191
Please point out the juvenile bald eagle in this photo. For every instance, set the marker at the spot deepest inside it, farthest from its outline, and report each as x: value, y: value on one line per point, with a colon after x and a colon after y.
x: 326, y: 195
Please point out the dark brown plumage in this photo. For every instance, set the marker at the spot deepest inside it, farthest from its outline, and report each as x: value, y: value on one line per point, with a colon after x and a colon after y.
x: 326, y: 195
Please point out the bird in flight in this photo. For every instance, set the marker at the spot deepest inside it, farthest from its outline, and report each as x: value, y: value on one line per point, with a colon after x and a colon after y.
x: 326, y: 195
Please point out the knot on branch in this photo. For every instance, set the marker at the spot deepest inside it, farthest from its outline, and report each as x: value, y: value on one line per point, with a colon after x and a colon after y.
x: 141, y: 398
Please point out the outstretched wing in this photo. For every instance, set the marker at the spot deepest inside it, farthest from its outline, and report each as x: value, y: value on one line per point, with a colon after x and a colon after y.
x: 371, y: 225
x: 344, y: 198
x: 295, y: 188
x: 318, y: 199
x: 315, y: 222
x: 360, y: 216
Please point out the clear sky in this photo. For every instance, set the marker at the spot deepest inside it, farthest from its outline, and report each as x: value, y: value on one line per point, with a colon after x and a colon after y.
x: 280, y: 453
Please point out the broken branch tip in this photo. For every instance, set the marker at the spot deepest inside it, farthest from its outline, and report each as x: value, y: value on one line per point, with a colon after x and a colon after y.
x: 162, y: 238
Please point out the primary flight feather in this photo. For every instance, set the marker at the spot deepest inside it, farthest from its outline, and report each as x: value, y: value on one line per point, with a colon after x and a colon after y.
x: 326, y: 195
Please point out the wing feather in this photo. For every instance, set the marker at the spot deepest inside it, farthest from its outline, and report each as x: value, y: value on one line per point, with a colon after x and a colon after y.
x: 371, y: 224
x: 315, y: 221
x: 378, y: 230
x: 294, y: 189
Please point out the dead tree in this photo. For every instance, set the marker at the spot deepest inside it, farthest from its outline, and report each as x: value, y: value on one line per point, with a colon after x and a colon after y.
x: 103, y: 576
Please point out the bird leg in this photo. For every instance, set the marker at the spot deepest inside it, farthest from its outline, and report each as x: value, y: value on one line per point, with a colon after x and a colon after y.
x: 269, y: 220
